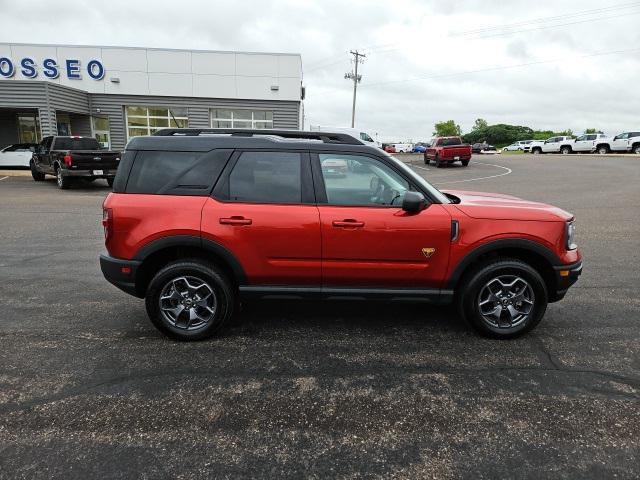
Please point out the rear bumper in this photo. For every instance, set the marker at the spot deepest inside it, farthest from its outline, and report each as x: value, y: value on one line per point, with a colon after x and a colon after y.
x: 566, y: 276
x: 121, y: 273
x: 88, y: 173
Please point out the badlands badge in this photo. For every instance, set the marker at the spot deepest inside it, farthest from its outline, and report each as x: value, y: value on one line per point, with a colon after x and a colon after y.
x: 428, y: 251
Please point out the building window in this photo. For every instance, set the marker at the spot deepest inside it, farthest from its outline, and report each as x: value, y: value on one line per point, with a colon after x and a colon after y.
x: 148, y: 120
x: 222, y: 118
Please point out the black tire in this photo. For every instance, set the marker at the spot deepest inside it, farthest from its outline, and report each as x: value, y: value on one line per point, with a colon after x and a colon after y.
x: 216, y: 282
x: 426, y: 160
x: 110, y: 182
x: 437, y: 161
x: 474, y: 285
x: 565, y: 150
x: 536, y: 151
x: 602, y: 149
x: 465, y: 162
x: 63, y: 182
x: 636, y: 149
x: 37, y: 176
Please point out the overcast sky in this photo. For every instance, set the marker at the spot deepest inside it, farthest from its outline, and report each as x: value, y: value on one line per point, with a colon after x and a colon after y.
x: 545, y: 64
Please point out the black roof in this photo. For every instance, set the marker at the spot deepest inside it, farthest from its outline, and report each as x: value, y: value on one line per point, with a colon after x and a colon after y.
x: 203, y: 140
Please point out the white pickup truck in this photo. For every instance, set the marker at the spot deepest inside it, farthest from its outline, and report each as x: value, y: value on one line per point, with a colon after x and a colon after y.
x: 625, y: 142
x: 552, y: 145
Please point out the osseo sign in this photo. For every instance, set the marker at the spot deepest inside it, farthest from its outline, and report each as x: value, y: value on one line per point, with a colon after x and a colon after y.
x: 71, y: 68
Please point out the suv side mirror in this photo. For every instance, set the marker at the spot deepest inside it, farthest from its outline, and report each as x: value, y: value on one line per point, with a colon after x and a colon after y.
x: 413, y: 202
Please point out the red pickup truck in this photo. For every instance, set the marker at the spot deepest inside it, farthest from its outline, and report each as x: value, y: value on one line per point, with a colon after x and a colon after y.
x: 447, y: 150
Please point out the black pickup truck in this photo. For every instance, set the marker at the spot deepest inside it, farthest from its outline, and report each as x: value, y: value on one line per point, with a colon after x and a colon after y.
x: 70, y: 158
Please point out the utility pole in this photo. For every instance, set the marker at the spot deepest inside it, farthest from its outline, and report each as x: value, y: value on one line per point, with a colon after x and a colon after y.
x: 357, y: 58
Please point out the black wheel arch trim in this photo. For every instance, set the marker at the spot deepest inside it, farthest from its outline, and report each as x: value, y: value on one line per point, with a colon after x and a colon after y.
x: 197, y: 242
x: 496, y: 245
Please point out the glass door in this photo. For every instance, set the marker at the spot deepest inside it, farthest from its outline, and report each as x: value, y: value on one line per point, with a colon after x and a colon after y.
x: 28, y: 128
x: 101, y: 131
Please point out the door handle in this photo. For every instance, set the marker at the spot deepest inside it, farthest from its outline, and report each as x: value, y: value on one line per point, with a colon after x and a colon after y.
x: 235, y: 220
x: 347, y: 223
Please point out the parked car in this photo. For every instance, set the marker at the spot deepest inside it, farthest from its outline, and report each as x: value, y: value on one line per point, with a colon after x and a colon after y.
x: 624, y: 142
x: 520, y: 145
x: 197, y: 221
x: 334, y: 167
x: 447, y: 150
x: 483, y: 148
x: 419, y: 147
x: 514, y: 147
x: 73, y: 158
x: 403, y: 147
x: 560, y: 144
x: 389, y: 148
x: 17, y: 155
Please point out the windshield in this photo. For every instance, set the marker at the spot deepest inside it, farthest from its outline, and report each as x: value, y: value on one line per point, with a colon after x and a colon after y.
x: 433, y: 191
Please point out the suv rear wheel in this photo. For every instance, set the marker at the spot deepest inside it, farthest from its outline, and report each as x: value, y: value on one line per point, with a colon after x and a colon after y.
x: 565, y: 150
x: 190, y: 300
x: 603, y: 149
x: 505, y: 298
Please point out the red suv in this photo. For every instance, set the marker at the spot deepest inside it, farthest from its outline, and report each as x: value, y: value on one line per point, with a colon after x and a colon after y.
x: 199, y: 219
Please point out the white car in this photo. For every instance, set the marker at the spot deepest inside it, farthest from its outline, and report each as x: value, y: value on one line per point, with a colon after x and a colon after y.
x: 18, y: 155
x: 625, y: 142
x: 364, y: 137
x: 403, y: 147
x: 514, y: 147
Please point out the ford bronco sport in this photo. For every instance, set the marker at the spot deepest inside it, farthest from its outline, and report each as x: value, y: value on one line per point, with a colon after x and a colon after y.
x: 199, y: 219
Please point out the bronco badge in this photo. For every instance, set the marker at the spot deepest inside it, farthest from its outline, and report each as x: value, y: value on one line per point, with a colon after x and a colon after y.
x: 428, y: 251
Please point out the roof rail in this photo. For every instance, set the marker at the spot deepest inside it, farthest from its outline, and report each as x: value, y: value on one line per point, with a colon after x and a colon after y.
x: 322, y: 136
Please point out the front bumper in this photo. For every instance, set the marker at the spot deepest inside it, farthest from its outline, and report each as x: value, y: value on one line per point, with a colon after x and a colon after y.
x: 121, y: 273
x: 566, y: 275
x: 67, y: 172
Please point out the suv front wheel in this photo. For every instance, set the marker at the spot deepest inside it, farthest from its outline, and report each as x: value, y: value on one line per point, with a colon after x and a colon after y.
x: 503, y: 299
x: 190, y: 300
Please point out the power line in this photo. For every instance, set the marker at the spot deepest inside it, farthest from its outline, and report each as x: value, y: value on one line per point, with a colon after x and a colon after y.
x: 500, y: 67
x: 356, y: 78
x: 565, y: 16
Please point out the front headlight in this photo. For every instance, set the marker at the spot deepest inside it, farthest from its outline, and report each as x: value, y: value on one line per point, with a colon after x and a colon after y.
x: 571, y: 245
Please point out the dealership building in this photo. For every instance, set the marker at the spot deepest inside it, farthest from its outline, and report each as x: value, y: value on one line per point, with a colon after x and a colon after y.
x: 116, y: 93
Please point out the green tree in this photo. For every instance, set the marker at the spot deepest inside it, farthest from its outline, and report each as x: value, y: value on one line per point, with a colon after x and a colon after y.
x: 592, y: 130
x: 479, y: 124
x: 447, y: 129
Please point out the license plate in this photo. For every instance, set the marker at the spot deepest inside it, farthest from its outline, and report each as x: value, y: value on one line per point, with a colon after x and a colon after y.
x: 98, y: 172
x: 456, y: 158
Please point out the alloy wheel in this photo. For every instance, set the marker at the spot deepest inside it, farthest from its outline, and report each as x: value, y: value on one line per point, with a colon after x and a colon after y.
x: 506, y: 301
x: 188, y: 303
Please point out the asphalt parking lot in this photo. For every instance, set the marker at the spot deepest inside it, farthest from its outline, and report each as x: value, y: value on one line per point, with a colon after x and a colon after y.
x: 88, y: 388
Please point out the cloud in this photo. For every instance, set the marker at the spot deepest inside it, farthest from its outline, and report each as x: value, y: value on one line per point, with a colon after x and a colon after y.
x: 421, y: 66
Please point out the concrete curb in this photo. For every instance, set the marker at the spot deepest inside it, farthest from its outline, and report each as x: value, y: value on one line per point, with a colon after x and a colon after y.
x: 15, y: 173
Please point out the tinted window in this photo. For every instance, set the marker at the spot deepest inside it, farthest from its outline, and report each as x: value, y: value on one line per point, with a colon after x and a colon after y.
x: 267, y: 177
x: 359, y: 180
x: 365, y: 137
x: 173, y: 173
x: 69, y: 143
x: 450, y: 141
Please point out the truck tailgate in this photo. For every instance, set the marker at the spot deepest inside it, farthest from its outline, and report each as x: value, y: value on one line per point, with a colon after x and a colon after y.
x: 95, y: 159
x: 452, y: 151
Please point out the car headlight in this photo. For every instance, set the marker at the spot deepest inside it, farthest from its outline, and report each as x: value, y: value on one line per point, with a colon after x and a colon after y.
x: 571, y: 244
